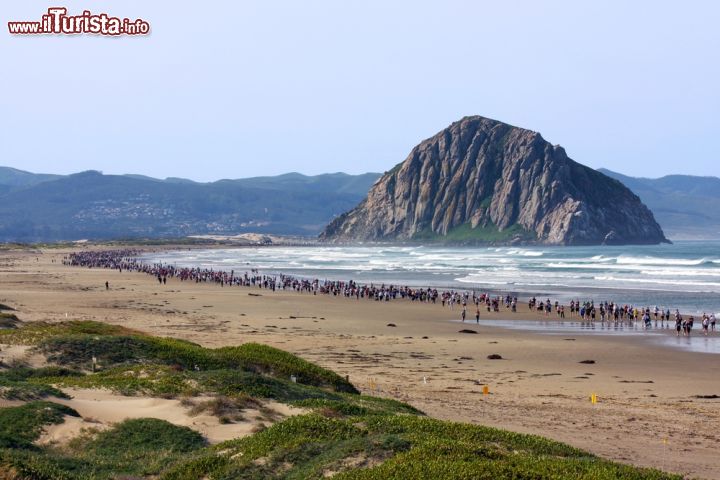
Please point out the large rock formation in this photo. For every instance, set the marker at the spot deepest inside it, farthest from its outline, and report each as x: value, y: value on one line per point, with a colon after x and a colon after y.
x: 481, y: 180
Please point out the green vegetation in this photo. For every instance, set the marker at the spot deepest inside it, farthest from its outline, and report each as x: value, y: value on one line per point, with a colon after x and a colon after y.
x: 481, y: 234
x: 397, y: 447
x: 114, y: 350
x: 341, y: 433
x: 147, y: 433
x: 33, y: 333
x: 20, y: 426
x: 23, y: 383
x: 133, y: 448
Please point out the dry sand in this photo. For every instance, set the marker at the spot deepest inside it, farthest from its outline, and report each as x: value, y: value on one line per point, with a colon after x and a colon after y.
x: 100, y: 409
x: 647, y: 412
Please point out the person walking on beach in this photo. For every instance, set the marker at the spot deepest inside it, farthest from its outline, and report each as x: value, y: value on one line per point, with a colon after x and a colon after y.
x: 678, y: 322
x: 712, y: 322
x: 477, y: 315
x: 464, y: 312
x: 705, y: 324
x: 107, y: 285
x: 646, y: 319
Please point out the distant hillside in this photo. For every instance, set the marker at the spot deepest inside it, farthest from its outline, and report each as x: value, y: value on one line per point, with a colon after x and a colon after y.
x: 36, y: 207
x: 685, y: 206
x: 12, y: 178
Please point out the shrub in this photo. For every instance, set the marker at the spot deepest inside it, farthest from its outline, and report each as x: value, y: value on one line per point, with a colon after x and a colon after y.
x: 136, y: 437
x: 20, y: 426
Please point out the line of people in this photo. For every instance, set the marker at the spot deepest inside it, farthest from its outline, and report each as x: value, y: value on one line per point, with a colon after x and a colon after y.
x: 128, y: 260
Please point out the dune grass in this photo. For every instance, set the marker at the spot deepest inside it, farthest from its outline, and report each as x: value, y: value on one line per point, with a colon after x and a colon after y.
x: 20, y: 426
x: 398, y: 447
x: 344, y: 434
x: 112, y: 350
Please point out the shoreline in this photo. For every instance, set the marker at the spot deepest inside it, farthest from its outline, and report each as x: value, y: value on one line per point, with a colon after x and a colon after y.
x: 658, y: 336
x: 521, y: 296
x: 646, y: 393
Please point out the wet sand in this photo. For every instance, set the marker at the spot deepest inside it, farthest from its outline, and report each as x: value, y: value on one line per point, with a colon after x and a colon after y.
x: 648, y: 411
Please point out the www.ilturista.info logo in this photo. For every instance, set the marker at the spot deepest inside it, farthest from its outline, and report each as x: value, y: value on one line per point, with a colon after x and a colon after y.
x: 57, y: 21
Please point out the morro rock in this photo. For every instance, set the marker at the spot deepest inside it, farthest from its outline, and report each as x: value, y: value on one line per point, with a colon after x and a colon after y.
x: 484, y: 181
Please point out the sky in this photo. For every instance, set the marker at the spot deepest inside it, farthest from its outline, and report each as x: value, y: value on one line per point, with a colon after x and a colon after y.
x: 230, y: 89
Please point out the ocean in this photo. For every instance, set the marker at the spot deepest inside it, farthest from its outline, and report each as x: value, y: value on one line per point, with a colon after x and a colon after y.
x: 685, y: 275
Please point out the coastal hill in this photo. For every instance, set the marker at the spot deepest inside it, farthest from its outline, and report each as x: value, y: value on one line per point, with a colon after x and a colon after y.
x: 684, y: 205
x: 90, y: 205
x: 484, y: 181
x: 45, y: 207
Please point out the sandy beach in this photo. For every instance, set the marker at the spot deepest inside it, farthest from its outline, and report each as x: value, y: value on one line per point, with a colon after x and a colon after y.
x: 649, y: 410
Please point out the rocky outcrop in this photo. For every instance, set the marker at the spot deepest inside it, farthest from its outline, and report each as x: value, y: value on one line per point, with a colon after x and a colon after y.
x: 484, y: 181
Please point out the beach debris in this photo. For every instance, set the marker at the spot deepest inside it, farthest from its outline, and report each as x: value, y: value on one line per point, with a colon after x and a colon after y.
x: 465, y: 358
x: 486, y: 390
x: 255, y: 294
x: 494, y: 356
x: 467, y: 330
x: 569, y: 339
x: 587, y: 362
x: 425, y: 338
x: 391, y: 325
x: 707, y: 397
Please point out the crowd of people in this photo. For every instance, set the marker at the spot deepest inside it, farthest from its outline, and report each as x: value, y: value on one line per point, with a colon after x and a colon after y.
x: 129, y: 260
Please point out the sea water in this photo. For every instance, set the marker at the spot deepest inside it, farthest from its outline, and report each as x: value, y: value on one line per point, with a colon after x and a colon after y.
x: 685, y: 275
x: 659, y: 334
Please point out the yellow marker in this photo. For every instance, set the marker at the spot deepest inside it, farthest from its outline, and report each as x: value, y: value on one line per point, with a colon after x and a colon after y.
x: 486, y: 390
x: 593, y: 399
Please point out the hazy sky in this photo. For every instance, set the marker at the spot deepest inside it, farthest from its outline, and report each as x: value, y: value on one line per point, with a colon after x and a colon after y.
x: 243, y: 88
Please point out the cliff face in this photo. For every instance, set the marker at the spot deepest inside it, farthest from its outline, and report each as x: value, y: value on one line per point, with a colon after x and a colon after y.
x: 481, y: 180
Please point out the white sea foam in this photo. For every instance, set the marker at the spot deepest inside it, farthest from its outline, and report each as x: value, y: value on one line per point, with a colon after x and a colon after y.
x: 680, y: 269
x: 658, y: 261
